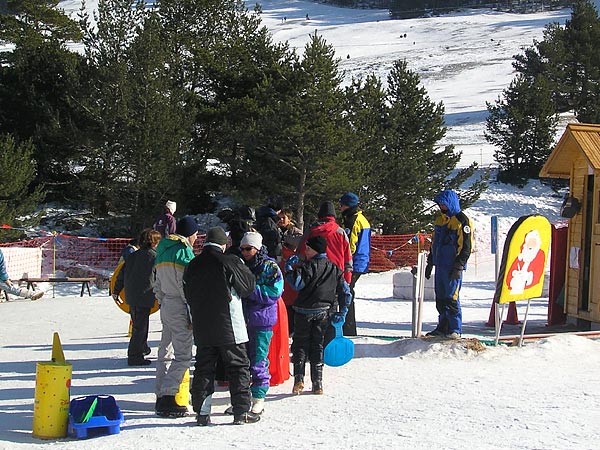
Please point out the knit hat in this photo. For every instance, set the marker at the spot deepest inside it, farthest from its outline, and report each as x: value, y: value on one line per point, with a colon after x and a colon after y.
x: 172, y: 206
x: 186, y: 226
x: 317, y: 243
x: 326, y: 209
x: 216, y: 235
x: 349, y: 199
x: 253, y: 239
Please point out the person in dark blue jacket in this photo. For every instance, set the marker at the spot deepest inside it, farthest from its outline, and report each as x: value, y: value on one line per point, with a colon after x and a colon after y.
x: 450, y: 249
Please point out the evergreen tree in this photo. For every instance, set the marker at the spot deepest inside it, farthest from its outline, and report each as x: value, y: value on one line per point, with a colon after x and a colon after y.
x: 136, y: 119
x: 18, y: 197
x: 567, y: 58
x: 522, y: 124
x: 39, y: 84
x: 301, y: 138
x: 408, y: 167
x: 221, y: 56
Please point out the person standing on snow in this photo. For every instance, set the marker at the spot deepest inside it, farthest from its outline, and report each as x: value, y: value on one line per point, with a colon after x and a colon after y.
x: 137, y: 278
x: 359, y: 235
x: 165, y: 223
x: 260, y: 312
x: 175, y: 352
x: 321, y: 290
x: 451, y: 245
x: 215, y: 283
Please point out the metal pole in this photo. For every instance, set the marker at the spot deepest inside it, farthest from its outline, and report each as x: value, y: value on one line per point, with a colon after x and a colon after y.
x: 524, y: 322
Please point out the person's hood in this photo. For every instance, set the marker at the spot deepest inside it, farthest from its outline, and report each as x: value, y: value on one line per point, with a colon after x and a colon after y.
x: 326, y: 224
x: 266, y: 211
x: 166, y: 243
x: 450, y: 199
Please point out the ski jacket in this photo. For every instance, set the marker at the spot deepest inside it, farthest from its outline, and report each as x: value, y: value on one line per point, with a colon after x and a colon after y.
x: 320, y: 285
x: 452, y: 238
x: 165, y: 224
x: 3, y: 273
x: 137, y: 278
x: 338, y: 247
x: 173, y: 253
x: 260, y: 307
x: 266, y: 225
x: 358, y: 230
x: 214, y: 284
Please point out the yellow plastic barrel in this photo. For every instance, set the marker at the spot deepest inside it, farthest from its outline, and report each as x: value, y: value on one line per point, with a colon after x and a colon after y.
x: 182, y: 398
x: 51, y: 402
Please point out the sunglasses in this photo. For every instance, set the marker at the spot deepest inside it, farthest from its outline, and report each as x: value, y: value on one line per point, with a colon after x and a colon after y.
x: 246, y: 249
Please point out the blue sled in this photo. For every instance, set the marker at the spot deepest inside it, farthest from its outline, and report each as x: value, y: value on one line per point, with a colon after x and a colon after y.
x: 94, y: 414
x: 340, y: 350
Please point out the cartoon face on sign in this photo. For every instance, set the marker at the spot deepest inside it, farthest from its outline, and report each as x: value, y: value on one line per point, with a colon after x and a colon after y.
x: 524, y: 260
x: 528, y: 267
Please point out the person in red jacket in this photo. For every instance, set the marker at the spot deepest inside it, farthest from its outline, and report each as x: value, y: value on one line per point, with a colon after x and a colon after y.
x: 338, y: 246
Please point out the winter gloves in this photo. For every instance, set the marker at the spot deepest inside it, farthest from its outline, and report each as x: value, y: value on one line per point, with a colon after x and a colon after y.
x: 428, y: 270
x: 291, y: 262
x: 339, y: 316
x: 456, y: 271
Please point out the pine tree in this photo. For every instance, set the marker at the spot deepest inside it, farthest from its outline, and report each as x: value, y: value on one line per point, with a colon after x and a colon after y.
x: 18, y: 197
x: 302, y: 139
x: 408, y: 167
x: 39, y: 84
x: 522, y: 124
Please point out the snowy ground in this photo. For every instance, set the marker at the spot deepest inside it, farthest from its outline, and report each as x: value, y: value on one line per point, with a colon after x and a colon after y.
x: 395, y: 393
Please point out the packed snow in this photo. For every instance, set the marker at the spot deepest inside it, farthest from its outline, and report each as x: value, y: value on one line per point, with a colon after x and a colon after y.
x: 397, y: 392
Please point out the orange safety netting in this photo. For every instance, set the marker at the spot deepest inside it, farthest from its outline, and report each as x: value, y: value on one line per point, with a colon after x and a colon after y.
x: 75, y: 256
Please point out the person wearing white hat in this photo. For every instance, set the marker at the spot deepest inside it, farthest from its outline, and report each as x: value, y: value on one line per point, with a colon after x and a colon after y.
x: 165, y: 224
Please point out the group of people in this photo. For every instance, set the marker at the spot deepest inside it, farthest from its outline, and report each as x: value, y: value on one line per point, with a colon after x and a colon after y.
x: 227, y: 299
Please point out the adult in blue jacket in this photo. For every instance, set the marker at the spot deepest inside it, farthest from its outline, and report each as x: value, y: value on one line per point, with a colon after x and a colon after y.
x: 450, y: 249
x: 358, y: 230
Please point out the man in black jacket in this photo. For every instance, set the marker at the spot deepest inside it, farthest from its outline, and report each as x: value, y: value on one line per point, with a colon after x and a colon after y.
x: 214, y: 284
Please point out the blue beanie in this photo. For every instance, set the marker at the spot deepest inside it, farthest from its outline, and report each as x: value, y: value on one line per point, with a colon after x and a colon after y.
x: 349, y: 199
x: 187, y: 226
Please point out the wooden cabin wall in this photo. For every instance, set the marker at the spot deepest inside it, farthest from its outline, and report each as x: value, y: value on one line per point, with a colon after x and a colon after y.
x: 579, y: 172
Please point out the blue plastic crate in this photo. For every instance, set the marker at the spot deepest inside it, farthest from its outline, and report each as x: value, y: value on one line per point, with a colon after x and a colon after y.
x: 105, y: 418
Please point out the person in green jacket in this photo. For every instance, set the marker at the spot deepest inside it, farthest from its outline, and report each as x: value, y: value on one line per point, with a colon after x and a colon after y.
x: 173, y: 254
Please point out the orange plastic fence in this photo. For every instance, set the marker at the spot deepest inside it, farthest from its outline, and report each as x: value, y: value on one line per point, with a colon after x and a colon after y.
x: 75, y: 256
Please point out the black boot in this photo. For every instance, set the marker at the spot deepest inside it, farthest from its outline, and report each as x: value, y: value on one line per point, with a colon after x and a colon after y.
x: 316, y: 376
x: 166, y: 406
x: 298, y: 378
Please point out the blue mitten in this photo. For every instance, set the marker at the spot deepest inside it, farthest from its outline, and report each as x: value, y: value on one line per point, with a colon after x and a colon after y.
x: 340, y: 316
x: 291, y: 262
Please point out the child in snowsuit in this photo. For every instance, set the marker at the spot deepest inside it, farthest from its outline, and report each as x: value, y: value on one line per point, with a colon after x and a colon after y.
x: 322, y: 288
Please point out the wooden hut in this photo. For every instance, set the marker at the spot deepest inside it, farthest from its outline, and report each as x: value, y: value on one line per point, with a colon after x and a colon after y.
x: 577, y: 157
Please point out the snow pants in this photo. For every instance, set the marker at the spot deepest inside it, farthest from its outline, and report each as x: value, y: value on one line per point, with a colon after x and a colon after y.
x: 258, y: 351
x: 138, y: 343
x: 309, y: 334
x: 237, y: 372
x: 175, y: 351
x: 447, y: 301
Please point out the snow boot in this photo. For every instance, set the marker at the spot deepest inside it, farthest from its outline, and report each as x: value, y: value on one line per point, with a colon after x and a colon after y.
x: 298, y: 378
x: 202, y: 420
x: 258, y: 405
x: 247, y: 417
x: 316, y: 376
x: 166, y: 406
